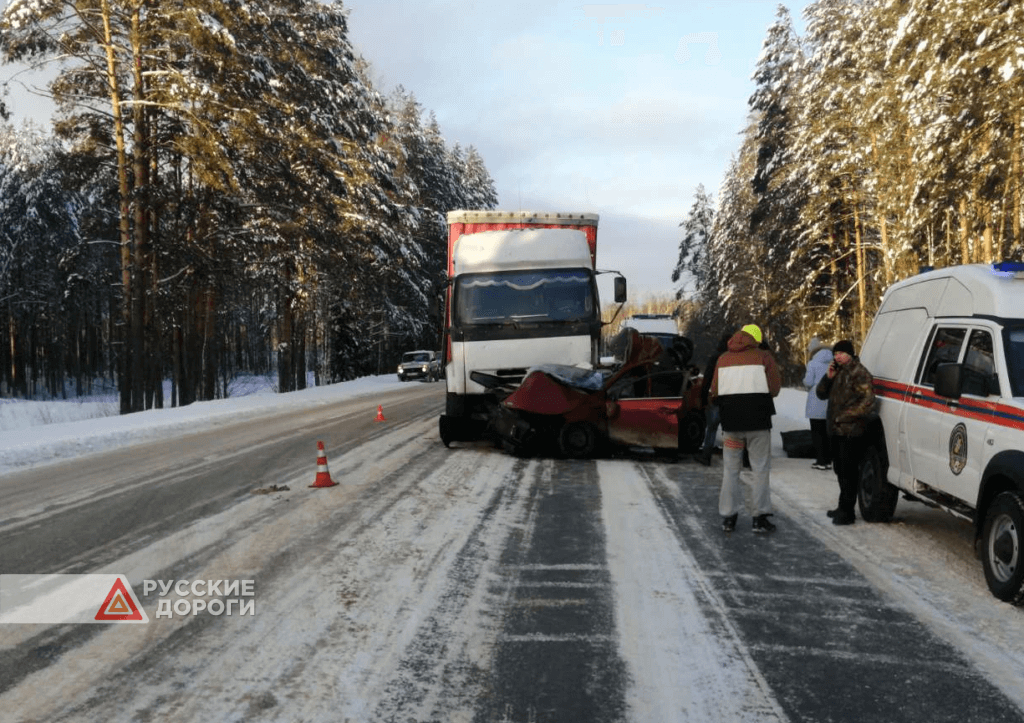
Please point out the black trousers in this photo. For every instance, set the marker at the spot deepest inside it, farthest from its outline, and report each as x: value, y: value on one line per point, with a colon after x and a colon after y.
x: 847, y: 453
x: 819, y: 436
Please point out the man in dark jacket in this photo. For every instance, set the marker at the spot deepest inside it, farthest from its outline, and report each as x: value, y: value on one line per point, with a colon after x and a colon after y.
x: 710, y: 410
x: 745, y: 384
x: 849, y: 388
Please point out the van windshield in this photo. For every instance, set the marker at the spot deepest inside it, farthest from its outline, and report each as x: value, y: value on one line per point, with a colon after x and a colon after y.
x: 416, y: 356
x: 546, y: 295
x: 1014, y: 338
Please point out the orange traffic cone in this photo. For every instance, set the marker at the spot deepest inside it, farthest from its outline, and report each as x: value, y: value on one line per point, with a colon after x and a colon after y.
x: 380, y: 414
x: 323, y: 475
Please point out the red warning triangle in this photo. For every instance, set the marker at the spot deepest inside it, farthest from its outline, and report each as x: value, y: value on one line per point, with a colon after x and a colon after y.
x: 118, y: 605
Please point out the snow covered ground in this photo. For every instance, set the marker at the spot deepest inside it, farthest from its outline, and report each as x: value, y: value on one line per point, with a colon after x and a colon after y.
x: 36, y: 433
x: 923, y: 560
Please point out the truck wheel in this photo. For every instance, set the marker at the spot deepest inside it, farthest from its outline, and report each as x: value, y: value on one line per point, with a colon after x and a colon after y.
x: 1000, y: 551
x: 578, y: 440
x: 691, y: 431
x: 447, y: 427
x: 876, y: 496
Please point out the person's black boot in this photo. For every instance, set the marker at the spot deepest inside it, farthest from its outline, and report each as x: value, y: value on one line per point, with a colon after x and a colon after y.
x: 843, y: 518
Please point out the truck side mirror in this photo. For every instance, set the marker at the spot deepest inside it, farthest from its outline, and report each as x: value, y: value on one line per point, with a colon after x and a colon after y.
x: 949, y: 380
x: 620, y: 290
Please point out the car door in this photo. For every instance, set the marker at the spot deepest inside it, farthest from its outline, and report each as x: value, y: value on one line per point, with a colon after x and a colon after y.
x: 928, y: 418
x: 967, y: 426
x: 645, y: 410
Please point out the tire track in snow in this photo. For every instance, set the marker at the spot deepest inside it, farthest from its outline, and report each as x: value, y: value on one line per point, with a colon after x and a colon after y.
x: 828, y: 644
x: 442, y: 671
x: 338, y: 575
x: 557, y: 655
x: 685, y: 658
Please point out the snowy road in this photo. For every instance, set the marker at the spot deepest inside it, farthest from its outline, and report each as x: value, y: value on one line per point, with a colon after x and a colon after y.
x: 467, y: 585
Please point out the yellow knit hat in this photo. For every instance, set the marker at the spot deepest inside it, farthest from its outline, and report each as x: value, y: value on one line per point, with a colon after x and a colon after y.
x: 754, y: 331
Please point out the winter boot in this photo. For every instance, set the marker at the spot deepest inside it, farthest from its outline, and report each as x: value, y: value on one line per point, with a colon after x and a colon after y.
x: 763, y: 524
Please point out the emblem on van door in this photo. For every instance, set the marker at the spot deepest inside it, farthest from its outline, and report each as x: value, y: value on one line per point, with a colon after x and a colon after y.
x: 958, y: 449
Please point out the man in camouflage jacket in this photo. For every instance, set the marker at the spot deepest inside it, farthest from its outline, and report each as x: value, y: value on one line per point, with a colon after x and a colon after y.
x: 848, y: 387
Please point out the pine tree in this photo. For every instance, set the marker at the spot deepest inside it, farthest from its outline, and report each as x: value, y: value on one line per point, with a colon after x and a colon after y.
x: 692, y: 270
x: 778, y: 196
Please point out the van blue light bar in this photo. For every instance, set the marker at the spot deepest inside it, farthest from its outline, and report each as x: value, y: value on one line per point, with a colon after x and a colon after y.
x: 1009, y: 267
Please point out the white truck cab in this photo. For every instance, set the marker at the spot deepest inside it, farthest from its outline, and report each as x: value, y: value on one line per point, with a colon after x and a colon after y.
x: 522, y: 291
x: 946, y: 349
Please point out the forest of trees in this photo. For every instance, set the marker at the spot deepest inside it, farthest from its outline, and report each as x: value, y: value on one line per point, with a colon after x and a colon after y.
x: 222, y: 191
x: 887, y: 139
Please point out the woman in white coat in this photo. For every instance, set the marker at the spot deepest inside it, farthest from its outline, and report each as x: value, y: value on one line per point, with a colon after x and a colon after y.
x: 820, y: 356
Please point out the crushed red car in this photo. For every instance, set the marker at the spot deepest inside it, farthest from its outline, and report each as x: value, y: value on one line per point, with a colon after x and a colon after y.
x: 651, y: 400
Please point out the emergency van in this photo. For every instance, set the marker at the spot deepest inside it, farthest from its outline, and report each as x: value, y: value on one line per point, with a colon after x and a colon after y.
x: 946, y: 349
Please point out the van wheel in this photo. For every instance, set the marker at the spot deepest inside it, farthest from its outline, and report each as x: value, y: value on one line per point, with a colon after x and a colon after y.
x: 691, y: 431
x: 1001, y: 551
x: 578, y: 440
x: 876, y: 496
x: 448, y: 427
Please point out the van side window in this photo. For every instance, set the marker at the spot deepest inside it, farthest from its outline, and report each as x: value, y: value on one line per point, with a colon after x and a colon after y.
x: 1013, y: 341
x: 945, y: 347
x: 979, y: 365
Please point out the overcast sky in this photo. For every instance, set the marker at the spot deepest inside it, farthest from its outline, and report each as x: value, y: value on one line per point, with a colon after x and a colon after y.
x: 615, y: 109
x: 620, y: 110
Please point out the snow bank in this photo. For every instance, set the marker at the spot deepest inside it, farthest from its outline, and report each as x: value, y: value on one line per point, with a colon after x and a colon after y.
x: 36, y: 433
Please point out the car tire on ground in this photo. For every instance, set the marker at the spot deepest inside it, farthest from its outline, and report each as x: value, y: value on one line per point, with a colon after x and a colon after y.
x: 578, y: 440
x: 875, y: 495
x: 1001, y: 547
x: 691, y: 431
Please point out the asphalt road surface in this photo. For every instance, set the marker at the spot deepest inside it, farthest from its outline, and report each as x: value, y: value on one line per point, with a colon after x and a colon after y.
x: 438, y: 584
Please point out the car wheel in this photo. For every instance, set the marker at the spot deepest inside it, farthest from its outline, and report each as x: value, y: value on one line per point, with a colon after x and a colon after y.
x: 876, y: 497
x: 578, y: 440
x: 1000, y: 551
x: 691, y: 431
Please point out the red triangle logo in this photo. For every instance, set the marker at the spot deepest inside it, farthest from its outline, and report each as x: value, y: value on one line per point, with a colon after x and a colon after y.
x: 119, y: 605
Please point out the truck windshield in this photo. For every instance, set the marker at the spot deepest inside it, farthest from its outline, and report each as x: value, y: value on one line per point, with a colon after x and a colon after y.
x: 545, y: 295
x: 1014, y: 337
